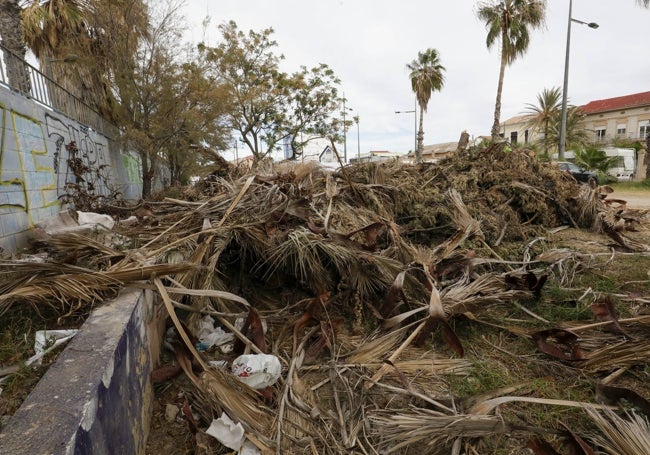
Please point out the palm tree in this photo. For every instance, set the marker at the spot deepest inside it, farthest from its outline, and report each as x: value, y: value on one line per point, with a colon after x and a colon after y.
x: 78, y: 44
x: 507, y: 22
x: 547, y: 110
x: 55, y: 30
x: 14, y: 48
x: 594, y: 159
x: 576, y: 135
x: 644, y: 3
x: 426, y: 77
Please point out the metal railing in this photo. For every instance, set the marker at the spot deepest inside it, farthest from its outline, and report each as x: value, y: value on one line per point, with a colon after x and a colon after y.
x: 49, y: 93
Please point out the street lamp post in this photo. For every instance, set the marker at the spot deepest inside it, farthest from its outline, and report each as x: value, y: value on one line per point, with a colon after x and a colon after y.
x: 415, y: 125
x: 345, y: 132
x: 356, y: 120
x: 562, y: 144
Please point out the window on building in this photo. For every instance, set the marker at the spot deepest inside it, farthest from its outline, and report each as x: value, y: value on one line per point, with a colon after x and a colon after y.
x: 600, y: 134
x: 513, y: 137
x: 644, y: 129
x: 526, y: 138
x: 621, y: 130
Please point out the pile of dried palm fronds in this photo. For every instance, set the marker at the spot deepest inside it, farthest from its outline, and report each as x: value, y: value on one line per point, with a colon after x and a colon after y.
x: 354, y: 273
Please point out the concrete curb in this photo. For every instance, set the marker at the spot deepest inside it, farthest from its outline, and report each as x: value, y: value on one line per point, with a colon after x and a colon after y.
x: 97, y: 398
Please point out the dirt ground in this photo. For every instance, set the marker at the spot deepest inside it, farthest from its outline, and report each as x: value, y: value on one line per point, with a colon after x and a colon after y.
x: 637, y: 199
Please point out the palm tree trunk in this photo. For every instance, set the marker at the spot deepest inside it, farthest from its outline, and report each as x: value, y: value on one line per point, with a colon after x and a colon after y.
x: 496, y: 126
x: 418, y: 152
x: 546, y: 136
x: 14, y: 47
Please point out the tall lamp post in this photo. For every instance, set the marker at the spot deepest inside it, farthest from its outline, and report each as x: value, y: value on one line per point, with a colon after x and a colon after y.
x: 345, y: 132
x: 356, y: 120
x: 415, y: 124
x: 562, y: 144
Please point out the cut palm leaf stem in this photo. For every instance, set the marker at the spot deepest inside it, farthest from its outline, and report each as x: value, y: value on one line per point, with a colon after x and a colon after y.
x: 177, y: 323
x: 487, y: 406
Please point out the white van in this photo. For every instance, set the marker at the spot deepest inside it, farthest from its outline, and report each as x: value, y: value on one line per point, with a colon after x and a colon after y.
x: 625, y: 167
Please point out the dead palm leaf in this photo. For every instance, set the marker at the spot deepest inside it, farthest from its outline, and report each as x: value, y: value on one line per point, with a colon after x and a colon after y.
x: 430, y: 431
x: 621, y: 436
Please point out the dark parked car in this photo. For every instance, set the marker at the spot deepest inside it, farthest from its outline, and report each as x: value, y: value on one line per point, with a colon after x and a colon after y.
x: 579, y: 173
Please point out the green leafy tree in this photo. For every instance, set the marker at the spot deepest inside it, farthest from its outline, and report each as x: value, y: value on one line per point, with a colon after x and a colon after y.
x: 14, y: 48
x: 508, y: 23
x: 426, y: 74
x: 168, y: 104
x: 545, y: 113
x: 268, y: 105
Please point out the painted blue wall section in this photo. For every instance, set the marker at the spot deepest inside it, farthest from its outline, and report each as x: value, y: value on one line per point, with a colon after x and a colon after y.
x: 34, y: 167
x: 98, y: 397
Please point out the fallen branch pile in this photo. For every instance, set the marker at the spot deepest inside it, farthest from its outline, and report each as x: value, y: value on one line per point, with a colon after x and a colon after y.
x: 357, y: 281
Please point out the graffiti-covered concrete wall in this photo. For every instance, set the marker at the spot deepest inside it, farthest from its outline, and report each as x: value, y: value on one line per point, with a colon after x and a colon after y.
x: 41, y: 152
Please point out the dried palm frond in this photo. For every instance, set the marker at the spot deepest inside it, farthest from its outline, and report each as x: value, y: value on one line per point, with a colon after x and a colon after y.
x: 588, y: 208
x: 485, y: 290
x: 625, y: 353
x: 621, y: 436
x: 430, y: 431
x: 71, y: 286
x: 78, y: 246
x: 609, y: 227
x: 318, y: 261
x: 242, y: 403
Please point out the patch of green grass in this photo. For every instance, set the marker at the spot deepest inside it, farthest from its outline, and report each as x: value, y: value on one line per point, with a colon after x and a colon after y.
x: 643, y: 185
x: 485, y: 377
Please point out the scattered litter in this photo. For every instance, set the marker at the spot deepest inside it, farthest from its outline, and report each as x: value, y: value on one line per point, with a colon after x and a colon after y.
x: 227, y: 432
x: 47, y: 340
x: 257, y: 370
x: 210, y: 336
x: 95, y: 219
x: 171, y: 411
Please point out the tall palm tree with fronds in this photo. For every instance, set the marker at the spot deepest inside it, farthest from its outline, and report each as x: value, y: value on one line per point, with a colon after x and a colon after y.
x: 576, y: 134
x: 14, y: 48
x: 508, y: 23
x: 546, y: 111
x: 56, y: 32
x: 426, y: 74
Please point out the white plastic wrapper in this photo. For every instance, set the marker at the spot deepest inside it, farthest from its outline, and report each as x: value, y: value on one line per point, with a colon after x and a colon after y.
x: 257, y: 370
x: 227, y: 432
x: 53, y: 338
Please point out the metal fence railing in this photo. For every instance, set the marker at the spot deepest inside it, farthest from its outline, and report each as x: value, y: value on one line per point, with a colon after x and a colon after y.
x: 46, y: 91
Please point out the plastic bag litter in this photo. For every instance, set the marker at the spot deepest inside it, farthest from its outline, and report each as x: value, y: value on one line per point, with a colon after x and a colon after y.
x: 43, y: 338
x: 231, y: 435
x: 209, y: 335
x: 257, y: 370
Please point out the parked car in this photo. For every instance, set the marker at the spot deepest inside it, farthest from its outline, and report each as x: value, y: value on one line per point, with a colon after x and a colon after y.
x: 579, y: 173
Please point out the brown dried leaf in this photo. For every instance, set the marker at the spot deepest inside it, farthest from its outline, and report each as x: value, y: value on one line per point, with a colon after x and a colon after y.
x: 394, y: 296
x: 540, y: 447
x: 613, y: 395
x: 577, y: 445
x: 559, y: 343
x: 606, y: 311
x: 254, y: 331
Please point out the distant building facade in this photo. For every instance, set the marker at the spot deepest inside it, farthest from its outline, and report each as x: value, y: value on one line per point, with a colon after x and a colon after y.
x: 625, y: 117
x: 375, y: 155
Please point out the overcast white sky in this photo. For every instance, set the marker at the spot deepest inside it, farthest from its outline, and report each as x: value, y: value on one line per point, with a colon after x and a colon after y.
x: 369, y: 42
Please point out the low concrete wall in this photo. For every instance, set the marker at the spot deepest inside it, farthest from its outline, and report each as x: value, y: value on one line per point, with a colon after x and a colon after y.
x: 97, y: 398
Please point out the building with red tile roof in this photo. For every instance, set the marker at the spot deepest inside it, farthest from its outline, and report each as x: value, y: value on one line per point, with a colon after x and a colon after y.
x: 625, y: 117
